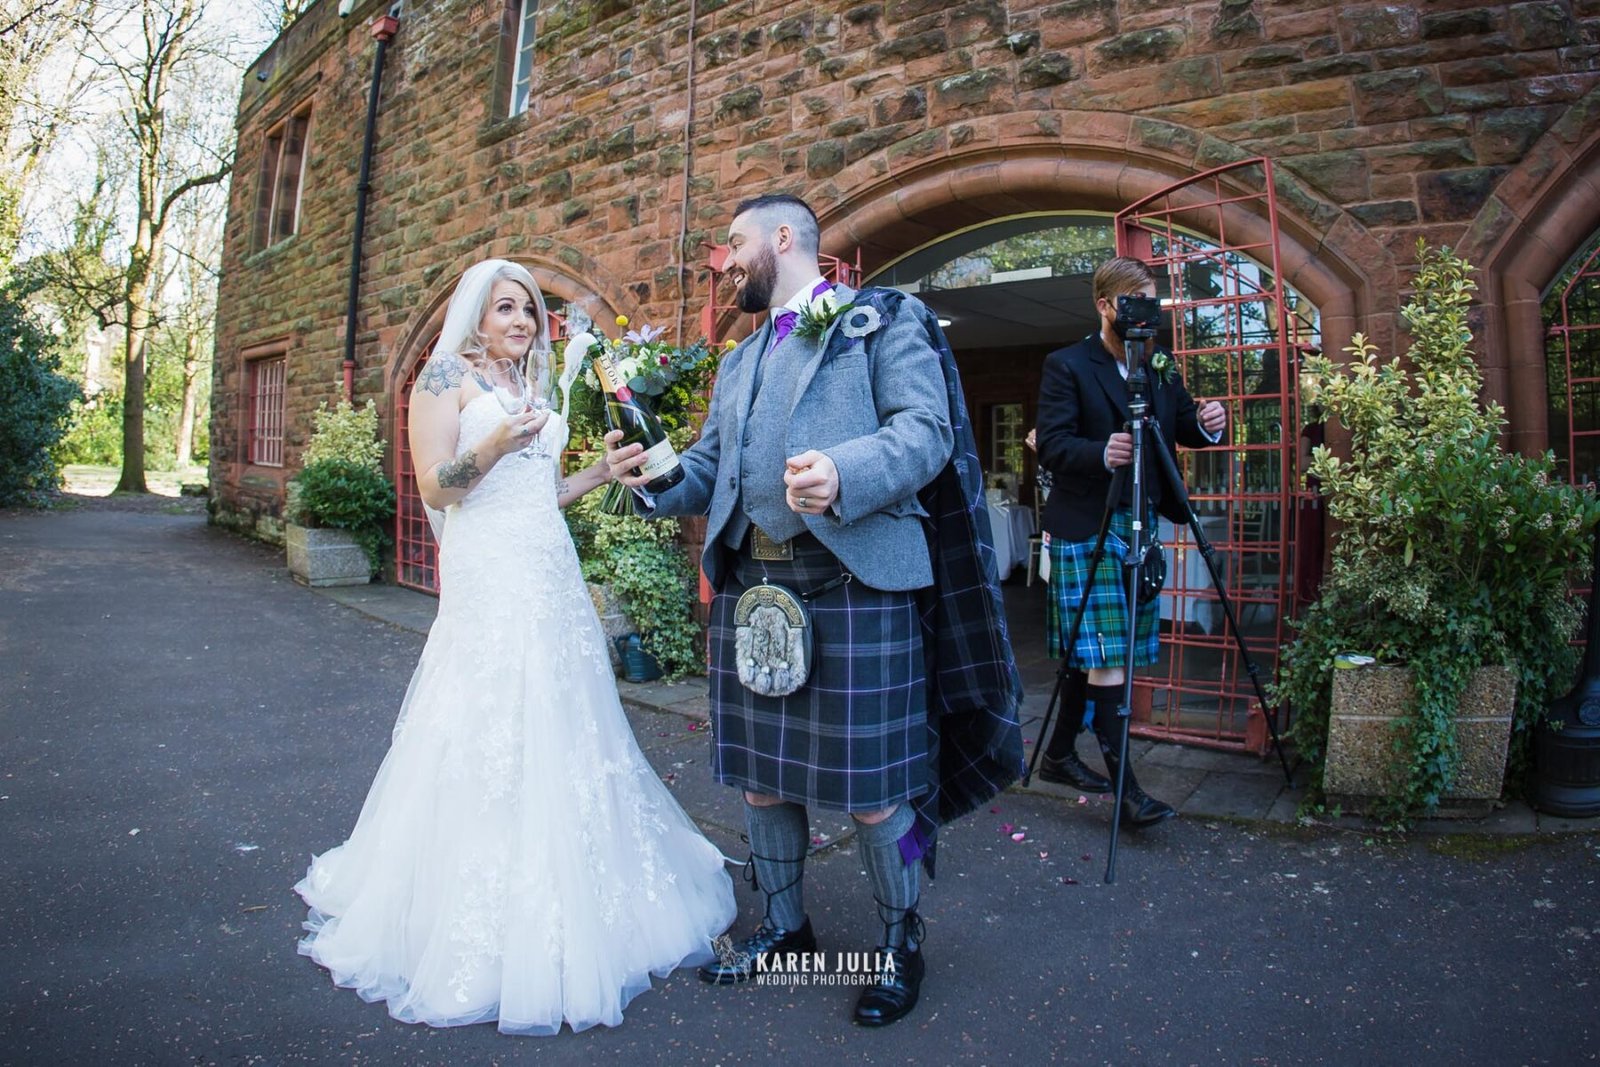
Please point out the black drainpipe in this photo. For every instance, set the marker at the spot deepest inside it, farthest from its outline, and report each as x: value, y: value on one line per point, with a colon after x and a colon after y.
x: 383, y: 28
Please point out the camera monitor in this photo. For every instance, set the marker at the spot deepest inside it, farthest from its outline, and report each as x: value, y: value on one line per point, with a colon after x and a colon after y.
x: 1136, y: 312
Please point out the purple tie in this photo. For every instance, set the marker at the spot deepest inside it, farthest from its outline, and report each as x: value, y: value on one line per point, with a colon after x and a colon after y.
x: 782, y: 324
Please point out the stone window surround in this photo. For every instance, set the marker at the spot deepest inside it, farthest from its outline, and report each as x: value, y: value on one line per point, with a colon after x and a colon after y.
x: 263, y: 450
x: 271, y: 178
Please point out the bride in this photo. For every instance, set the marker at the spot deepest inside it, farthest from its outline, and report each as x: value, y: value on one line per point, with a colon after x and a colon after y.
x: 516, y: 858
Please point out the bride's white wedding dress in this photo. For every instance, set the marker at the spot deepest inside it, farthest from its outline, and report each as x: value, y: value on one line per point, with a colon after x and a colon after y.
x: 516, y: 858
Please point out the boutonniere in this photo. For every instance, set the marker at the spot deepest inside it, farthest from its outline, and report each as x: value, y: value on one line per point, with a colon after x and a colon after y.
x: 1161, y: 364
x: 818, y: 314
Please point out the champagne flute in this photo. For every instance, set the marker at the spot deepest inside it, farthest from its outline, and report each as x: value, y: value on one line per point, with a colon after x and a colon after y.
x: 510, y: 387
x: 540, y: 386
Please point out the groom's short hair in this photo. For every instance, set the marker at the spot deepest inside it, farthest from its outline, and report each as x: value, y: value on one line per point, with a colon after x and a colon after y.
x: 780, y: 209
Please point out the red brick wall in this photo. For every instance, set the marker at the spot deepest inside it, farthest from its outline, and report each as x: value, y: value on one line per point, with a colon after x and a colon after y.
x: 1474, y: 124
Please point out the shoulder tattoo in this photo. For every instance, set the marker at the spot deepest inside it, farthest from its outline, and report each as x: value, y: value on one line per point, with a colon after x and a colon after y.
x: 440, y: 374
x: 459, y: 473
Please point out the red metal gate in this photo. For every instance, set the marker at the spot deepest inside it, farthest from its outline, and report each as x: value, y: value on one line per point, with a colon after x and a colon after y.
x: 416, y: 555
x: 1235, y: 331
x: 1573, y: 343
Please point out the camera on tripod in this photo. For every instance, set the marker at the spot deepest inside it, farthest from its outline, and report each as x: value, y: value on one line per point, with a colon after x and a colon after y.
x: 1137, y: 315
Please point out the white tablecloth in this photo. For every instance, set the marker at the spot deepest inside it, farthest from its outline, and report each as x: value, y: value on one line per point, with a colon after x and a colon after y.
x: 1188, y: 580
x: 1012, y: 525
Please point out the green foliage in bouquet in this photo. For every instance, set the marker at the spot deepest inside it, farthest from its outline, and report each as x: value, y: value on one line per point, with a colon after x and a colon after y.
x: 673, y: 379
x: 650, y: 572
x: 342, y: 485
x: 1452, y: 553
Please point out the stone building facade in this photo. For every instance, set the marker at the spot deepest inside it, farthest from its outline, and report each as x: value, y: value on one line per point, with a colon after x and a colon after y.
x: 905, y: 123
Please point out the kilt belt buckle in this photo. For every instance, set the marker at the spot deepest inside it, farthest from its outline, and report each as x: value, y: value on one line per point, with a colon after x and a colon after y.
x: 765, y: 548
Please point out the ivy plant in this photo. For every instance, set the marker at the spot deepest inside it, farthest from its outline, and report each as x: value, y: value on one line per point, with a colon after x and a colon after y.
x: 1452, y: 553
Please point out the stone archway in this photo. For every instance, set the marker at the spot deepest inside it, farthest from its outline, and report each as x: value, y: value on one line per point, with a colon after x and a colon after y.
x: 1538, y: 216
x: 914, y: 191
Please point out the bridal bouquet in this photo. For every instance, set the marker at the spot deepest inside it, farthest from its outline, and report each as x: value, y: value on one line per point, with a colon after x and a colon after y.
x: 672, y: 380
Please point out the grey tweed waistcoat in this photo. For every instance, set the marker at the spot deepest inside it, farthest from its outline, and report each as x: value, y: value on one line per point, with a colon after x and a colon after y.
x: 762, y: 498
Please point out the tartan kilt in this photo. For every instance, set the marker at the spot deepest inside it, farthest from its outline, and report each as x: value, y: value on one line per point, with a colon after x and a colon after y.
x: 855, y: 736
x: 1103, y: 637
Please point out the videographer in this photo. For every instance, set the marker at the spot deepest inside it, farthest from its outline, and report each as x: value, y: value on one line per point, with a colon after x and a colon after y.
x: 1083, y: 439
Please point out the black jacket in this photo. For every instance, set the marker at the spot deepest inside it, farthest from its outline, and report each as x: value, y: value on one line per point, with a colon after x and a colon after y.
x: 1083, y: 400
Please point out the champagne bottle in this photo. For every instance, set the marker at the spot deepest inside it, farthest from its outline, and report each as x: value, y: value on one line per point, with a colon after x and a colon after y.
x: 639, y: 425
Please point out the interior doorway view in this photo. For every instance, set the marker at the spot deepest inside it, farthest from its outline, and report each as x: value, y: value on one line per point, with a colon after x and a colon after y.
x: 1016, y: 288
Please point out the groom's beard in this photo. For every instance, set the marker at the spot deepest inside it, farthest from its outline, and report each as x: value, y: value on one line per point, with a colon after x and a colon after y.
x: 756, y: 296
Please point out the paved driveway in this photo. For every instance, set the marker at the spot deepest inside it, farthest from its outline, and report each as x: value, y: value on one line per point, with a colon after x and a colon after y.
x: 181, y: 726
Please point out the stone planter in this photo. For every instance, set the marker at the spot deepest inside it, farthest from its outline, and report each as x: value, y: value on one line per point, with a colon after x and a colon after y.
x: 320, y: 557
x: 1366, y: 703
x: 613, y: 620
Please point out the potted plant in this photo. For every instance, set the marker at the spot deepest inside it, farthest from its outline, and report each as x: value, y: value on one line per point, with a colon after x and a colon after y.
x: 642, y: 582
x: 340, y: 504
x: 1451, y: 574
x: 640, y: 573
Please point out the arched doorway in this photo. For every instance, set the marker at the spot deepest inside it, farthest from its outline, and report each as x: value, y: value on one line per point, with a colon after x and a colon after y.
x: 1572, y: 364
x: 1008, y: 265
x: 416, y: 553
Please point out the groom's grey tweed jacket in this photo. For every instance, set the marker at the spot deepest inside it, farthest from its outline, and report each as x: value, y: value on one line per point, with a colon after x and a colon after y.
x: 884, y: 422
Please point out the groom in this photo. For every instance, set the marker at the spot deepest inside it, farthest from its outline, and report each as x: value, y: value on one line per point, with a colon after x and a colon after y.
x: 823, y: 428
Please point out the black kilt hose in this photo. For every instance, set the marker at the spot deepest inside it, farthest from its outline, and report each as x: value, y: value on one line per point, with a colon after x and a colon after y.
x: 855, y: 736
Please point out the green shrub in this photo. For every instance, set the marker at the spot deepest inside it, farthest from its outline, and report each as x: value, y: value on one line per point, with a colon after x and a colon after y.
x: 35, y: 402
x: 652, y: 575
x: 1452, y: 554
x: 347, y: 433
x: 95, y: 435
x: 343, y: 494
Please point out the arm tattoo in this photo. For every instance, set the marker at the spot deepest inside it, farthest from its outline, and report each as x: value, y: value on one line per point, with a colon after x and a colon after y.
x: 458, y: 473
x: 563, y: 487
x: 439, y: 375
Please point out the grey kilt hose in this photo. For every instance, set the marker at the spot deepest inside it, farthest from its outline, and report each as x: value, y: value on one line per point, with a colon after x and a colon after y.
x: 855, y: 737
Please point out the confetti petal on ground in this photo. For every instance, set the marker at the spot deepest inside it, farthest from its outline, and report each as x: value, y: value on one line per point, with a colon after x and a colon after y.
x: 1019, y: 836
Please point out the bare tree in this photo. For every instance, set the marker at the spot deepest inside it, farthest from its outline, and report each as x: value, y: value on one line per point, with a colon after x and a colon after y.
x: 33, y: 34
x: 195, y: 252
x: 176, y: 148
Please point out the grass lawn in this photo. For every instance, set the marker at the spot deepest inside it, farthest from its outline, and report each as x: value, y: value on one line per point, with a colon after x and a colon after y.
x: 99, y: 481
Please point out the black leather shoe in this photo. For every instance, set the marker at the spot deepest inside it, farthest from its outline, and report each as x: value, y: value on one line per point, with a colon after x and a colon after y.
x: 737, y: 962
x: 1070, y: 770
x: 1140, y: 809
x: 895, y: 992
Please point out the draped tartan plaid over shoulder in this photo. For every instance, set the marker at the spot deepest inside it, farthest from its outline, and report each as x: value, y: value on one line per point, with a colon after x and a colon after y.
x: 974, y: 690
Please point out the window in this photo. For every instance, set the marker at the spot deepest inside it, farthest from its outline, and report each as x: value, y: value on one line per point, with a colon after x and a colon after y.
x: 283, y: 163
x: 266, y: 410
x: 1006, y: 434
x: 522, y: 66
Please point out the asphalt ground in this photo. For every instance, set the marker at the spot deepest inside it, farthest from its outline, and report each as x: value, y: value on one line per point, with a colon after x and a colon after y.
x: 181, y: 727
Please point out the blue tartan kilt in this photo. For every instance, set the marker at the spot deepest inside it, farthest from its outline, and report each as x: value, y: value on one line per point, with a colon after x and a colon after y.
x: 855, y: 736
x: 1103, y: 636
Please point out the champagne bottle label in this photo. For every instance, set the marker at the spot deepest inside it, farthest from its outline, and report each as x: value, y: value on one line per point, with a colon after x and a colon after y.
x: 658, y: 459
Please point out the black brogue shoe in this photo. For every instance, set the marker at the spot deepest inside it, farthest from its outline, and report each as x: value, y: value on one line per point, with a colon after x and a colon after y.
x: 1070, y: 770
x: 895, y: 991
x: 737, y: 961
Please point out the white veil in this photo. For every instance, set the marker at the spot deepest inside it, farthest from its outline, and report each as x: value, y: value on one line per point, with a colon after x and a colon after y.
x: 459, y: 335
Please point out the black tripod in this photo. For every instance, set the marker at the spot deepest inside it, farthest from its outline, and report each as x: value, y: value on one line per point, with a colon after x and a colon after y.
x: 1141, y: 423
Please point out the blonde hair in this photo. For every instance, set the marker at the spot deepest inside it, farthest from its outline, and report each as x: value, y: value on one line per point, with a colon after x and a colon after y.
x: 1121, y: 274
x: 462, y: 335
